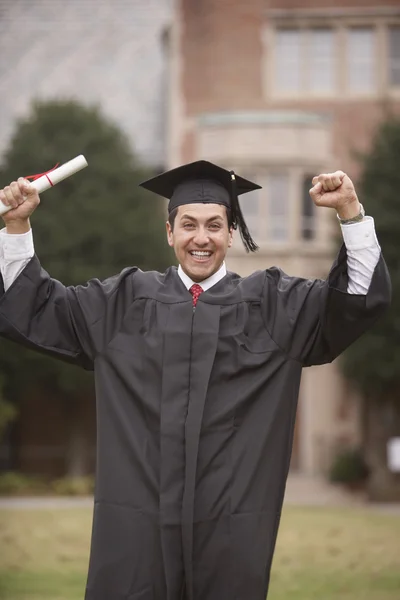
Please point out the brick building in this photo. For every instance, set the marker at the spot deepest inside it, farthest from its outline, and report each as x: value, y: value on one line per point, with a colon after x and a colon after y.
x: 281, y: 90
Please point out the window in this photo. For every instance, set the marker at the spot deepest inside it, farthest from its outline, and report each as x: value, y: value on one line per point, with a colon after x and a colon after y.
x: 278, y: 206
x: 394, y: 55
x: 287, y: 60
x: 307, y: 211
x: 305, y: 60
x: 321, y: 57
x: 268, y: 211
x: 361, y: 59
x: 336, y: 59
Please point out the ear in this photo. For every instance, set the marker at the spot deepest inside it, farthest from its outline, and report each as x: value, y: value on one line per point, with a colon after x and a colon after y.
x: 170, y: 234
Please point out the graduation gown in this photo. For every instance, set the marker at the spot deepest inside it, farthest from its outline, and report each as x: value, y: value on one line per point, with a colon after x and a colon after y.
x: 195, y: 411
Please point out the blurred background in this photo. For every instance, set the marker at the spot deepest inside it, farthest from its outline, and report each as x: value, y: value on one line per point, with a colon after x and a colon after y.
x: 279, y: 91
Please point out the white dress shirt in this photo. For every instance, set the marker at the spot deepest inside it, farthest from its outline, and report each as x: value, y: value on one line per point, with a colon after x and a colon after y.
x: 362, y: 247
x: 206, y: 284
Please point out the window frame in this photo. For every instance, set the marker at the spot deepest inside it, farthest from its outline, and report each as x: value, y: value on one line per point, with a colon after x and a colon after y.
x: 307, y: 222
x: 341, y: 26
x: 391, y: 88
x: 277, y: 172
x: 305, y: 43
x: 374, y: 55
x: 294, y: 240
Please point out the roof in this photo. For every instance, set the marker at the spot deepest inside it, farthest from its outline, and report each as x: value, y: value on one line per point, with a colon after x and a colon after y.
x: 107, y: 52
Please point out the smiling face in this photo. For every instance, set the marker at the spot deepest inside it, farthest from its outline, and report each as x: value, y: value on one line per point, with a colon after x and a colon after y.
x: 200, y: 237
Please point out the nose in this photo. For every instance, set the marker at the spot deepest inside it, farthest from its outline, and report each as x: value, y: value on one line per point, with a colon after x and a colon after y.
x: 201, y: 238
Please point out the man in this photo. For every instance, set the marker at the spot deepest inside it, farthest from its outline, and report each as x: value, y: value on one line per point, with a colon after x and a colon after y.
x: 196, y: 386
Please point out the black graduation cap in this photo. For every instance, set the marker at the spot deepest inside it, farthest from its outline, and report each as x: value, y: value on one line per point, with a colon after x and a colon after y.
x: 202, y: 182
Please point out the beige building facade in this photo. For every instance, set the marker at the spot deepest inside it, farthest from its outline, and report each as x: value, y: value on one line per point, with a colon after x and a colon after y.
x: 281, y: 91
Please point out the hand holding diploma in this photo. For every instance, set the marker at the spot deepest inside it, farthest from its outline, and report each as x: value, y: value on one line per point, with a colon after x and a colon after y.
x: 19, y: 199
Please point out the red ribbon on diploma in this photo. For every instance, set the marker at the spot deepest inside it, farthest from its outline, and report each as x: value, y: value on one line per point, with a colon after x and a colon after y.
x: 34, y: 177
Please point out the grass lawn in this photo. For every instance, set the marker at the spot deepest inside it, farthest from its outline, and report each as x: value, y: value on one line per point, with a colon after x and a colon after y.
x: 321, y: 554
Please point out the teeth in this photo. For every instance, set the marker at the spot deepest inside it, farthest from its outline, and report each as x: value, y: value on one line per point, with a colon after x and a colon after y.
x: 200, y: 254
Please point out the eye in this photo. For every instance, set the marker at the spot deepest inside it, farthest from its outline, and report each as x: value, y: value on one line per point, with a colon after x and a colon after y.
x: 188, y: 225
x: 215, y: 226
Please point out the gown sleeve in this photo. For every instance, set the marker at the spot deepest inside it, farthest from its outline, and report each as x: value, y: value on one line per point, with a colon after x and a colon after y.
x: 313, y: 321
x: 65, y: 322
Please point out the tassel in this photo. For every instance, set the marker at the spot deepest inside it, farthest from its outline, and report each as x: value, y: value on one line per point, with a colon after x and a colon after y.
x: 238, y: 219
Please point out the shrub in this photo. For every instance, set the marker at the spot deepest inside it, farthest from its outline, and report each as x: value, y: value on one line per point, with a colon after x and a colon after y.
x: 18, y: 484
x: 73, y: 486
x: 349, y: 467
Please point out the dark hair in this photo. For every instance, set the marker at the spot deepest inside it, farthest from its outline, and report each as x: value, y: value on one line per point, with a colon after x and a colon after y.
x: 174, y: 212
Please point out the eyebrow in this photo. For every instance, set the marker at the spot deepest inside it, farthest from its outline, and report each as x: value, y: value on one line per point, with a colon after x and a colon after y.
x: 190, y: 218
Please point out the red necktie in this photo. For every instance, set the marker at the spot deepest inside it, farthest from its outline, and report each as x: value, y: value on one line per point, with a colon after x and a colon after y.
x: 196, y: 290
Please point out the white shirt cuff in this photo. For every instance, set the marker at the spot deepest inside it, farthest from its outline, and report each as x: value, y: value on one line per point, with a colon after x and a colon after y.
x: 17, y: 246
x: 359, y: 236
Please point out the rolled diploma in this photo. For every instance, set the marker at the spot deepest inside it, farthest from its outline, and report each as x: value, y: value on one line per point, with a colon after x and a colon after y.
x: 47, y: 181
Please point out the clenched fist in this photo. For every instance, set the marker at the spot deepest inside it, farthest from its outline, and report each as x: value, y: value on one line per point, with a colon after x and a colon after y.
x: 336, y: 190
x: 23, y: 199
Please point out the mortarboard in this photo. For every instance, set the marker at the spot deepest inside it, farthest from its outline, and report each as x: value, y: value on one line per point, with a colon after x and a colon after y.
x: 203, y: 182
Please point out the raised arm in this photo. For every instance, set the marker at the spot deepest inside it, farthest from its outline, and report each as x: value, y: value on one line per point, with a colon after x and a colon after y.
x: 38, y: 311
x: 315, y: 320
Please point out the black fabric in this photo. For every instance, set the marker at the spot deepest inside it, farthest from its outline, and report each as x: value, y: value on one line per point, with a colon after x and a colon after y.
x: 199, y: 191
x: 167, y: 184
x: 196, y: 412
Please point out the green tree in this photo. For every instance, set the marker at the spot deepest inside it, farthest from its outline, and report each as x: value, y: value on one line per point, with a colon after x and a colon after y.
x: 373, y: 363
x: 91, y: 225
